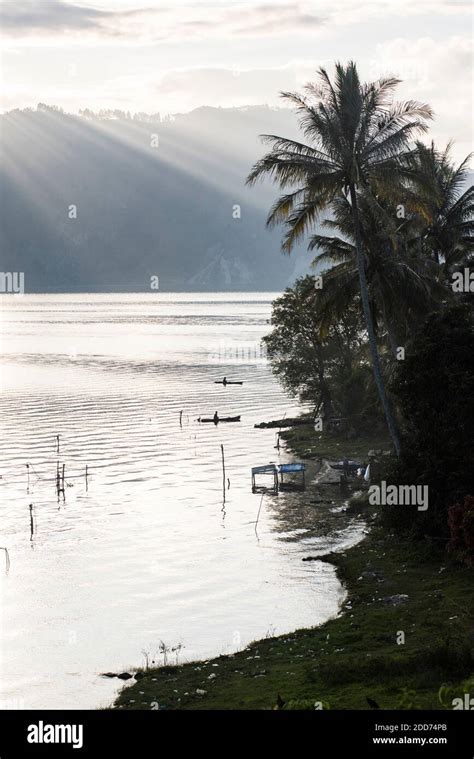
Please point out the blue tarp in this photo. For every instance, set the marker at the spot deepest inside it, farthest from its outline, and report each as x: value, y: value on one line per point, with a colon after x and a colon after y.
x: 282, y: 468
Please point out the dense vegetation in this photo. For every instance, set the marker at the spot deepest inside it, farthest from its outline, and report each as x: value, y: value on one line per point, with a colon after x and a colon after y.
x: 327, y: 367
x: 434, y: 389
x: 403, y: 223
x: 390, y: 311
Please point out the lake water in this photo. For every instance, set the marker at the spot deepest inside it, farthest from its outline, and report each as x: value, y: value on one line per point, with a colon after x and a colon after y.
x: 148, y: 552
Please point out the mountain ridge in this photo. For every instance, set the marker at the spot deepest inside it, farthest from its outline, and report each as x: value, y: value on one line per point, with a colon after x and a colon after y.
x: 90, y: 204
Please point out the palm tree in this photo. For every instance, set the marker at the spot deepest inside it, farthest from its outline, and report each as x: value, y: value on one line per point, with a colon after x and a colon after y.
x: 402, y: 285
x: 446, y: 212
x: 357, y: 137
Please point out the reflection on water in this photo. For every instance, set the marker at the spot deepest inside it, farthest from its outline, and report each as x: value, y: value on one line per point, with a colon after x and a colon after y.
x: 146, y: 552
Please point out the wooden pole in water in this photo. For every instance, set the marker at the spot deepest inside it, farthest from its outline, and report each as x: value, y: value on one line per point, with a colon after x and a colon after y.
x: 62, y: 486
x: 180, y: 418
x: 57, y: 478
x: 31, y: 521
x: 28, y: 470
x: 7, y: 559
x: 87, y: 483
x: 223, y: 470
x: 258, y: 515
x: 57, y: 440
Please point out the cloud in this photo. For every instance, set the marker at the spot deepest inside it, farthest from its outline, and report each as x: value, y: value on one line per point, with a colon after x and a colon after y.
x: 439, y: 73
x: 436, y: 73
x: 159, y: 21
x: 227, y: 86
x: 353, y: 11
x: 182, y: 89
x: 50, y: 15
x: 49, y: 20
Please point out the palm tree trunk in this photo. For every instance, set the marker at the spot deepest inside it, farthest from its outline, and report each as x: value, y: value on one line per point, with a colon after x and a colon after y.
x: 390, y: 333
x: 392, y: 427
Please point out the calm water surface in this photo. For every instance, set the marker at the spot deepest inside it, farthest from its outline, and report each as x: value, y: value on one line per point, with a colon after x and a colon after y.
x: 149, y: 552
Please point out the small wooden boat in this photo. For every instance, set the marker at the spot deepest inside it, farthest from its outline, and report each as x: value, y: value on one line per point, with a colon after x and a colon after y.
x: 207, y: 420
x: 227, y: 382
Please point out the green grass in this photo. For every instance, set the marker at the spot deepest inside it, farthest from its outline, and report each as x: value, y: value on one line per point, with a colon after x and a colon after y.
x: 355, y: 655
x: 309, y: 444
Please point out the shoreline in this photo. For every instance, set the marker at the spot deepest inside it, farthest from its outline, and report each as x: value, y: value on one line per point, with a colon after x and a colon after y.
x: 391, y: 594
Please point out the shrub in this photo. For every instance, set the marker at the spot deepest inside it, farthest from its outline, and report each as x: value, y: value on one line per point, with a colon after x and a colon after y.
x: 461, y: 525
x: 434, y: 388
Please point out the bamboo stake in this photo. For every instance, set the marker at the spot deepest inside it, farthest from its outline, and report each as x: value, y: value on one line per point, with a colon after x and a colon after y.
x: 258, y: 515
x: 223, y: 471
x: 7, y: 559
x: 87, y: 482
x: 32, y: 528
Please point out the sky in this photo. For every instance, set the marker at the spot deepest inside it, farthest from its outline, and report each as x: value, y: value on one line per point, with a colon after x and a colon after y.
x: 170, y: 57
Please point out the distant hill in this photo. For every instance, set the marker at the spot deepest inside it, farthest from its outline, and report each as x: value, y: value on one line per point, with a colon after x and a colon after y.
x: 153, y: 197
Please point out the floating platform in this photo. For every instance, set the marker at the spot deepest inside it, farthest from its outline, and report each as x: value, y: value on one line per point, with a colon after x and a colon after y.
x: 277, y: 472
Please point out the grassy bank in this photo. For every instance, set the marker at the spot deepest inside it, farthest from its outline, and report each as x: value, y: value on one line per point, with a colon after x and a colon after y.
x: 405, y: 631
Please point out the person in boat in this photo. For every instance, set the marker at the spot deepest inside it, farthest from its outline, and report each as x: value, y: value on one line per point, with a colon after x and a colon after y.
x: 216, y: 417
x: 224, y: 381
